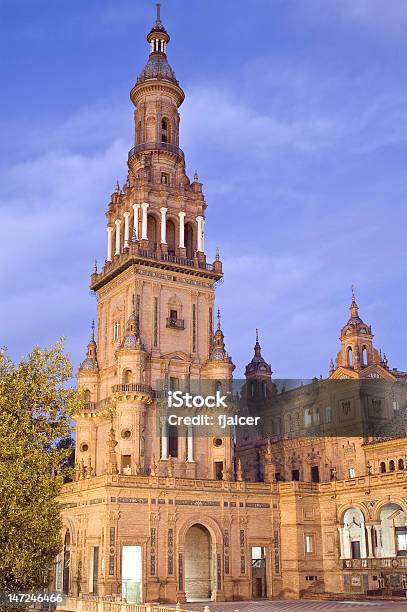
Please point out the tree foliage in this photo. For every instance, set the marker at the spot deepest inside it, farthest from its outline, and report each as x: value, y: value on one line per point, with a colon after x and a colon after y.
x: 36, y: 406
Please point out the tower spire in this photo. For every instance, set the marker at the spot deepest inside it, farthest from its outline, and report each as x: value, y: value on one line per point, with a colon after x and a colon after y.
x: 92, y: 337
x: 158, y: 7
x: 354, y: 308
x: 218, y: 318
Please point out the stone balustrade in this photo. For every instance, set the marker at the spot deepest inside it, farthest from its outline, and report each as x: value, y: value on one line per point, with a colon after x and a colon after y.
x: 100, y: 604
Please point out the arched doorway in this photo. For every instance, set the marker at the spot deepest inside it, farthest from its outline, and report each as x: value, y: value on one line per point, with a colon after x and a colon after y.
x: 66, y: 563
x: 198, y: 564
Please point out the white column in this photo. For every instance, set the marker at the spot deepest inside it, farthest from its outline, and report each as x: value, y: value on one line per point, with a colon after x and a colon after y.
x: 190, y: 444
x: 181, y: 216
x: 109, y: 243
x: 163, y: 212
x: 164, y: 439
x: 144, y: 236
x: 369, y: 541
x: 340, y: 530
x: 136, y: 208
x: 200, y: 240
x: 126, y: 228
x: 117, y: 223
x: 363, y: 546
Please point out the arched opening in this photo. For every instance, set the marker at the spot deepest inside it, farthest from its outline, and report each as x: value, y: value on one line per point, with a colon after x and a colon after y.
x: 151, y: 232
x: 67, y: 562
x: 382, y: 467
x: 87, y: 396
x: 189, y: 240
x: 138, y: 135
x: 393, y: 528
x: 307, y: 418
x: 400, y: 464
x: 198, y: 564
x: 392, y: 466
x: 171, y: 237
x: 354, y: 534
x: 173, y: 440
x: 127, y: 377
x: 350, y: 357
x: 165, y: 132
x: 365, y: 360
x: 150, y: 125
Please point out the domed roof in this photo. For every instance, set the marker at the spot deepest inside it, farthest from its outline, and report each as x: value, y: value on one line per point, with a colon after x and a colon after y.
x: 157, y: 67
x: 90, y: 363
x: 258, y: 364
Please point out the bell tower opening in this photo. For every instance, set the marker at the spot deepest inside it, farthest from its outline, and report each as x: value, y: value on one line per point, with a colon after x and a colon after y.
x: 198, y: 564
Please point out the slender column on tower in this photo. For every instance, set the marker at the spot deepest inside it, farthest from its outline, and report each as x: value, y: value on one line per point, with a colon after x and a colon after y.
x: 109, y: 243
x: 200, y: 241
x: 126, y: 229
x: 164, y: 440
x: 190, y: 444
x: 181, y: 216
x: 144, y: 236
x: 163, y: 212
x: 117, y: 223
x: 136, y: 208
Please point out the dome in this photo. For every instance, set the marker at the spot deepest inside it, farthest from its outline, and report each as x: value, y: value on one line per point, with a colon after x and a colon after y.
x: 90, y: 364
x: 131, y: 341
x: 258, y: 365
x: 157, y: 67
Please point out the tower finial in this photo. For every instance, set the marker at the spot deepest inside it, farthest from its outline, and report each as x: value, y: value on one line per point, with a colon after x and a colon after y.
x: 257, y: 336
x: 158, y: 6
x: 93, y: 332
x: 353, y: 293
x: 217, y: 256
x: 218, y: 318
x: 95, y: 267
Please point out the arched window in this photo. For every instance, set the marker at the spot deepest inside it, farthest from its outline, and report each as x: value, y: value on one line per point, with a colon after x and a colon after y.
x: 264, y: 388
x: 171, y: 237
x: 127, y: 377
x: 382, y: 467
x: 400, y: 464
x: 151, y: 232
x: 164, y: 130
x: 173, y: 441
x: 365, y: 360
x: 350, y: 357
x: 87, y: 396
x: 392, y: 466
x: 315, y: 416
x: 189, y: 240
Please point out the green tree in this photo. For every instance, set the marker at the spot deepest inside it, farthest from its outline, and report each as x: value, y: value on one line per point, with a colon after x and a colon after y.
x: 36, y: 406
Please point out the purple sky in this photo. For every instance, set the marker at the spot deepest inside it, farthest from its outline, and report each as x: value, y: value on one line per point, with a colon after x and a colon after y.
x: 296, y: 119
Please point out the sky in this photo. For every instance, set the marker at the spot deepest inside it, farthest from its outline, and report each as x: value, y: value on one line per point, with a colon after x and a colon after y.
x: 296, y: 119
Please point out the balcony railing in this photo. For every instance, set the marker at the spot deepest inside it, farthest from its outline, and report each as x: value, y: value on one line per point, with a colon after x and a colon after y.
x: 175, y: 323
x: 385, y: 563
x: 132, y: 388
x: 156, y: 146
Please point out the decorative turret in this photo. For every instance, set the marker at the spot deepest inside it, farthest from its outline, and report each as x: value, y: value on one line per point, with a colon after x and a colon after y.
x: 356, y: 337
x: 218, y: 352
x: 90, y: 363
x: 258, y: 367
x: 132, y: 338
